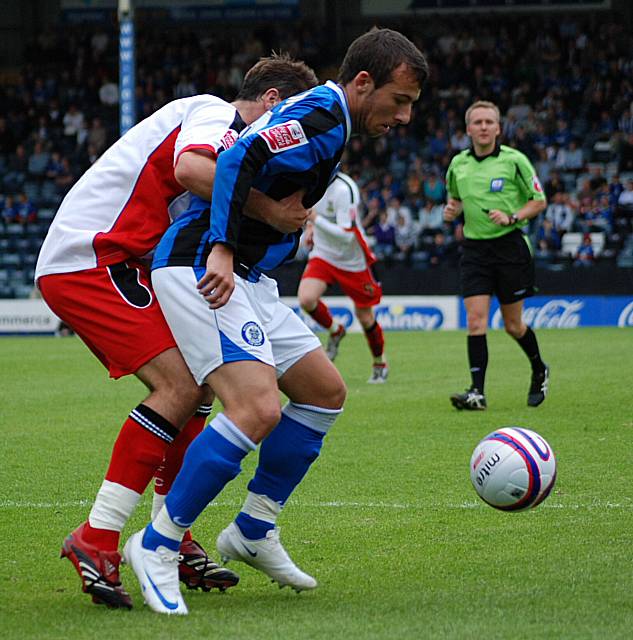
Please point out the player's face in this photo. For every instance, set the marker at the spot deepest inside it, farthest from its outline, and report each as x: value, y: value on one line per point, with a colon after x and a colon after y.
x: 483, y: 127
x: 391, y: 104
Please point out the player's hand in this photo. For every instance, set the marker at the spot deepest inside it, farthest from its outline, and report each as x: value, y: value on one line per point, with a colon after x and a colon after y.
x: 217, y: 283
x: 307, y: 239
x: 499, y: 217
x: 291, y: 215
x: 452, y: 209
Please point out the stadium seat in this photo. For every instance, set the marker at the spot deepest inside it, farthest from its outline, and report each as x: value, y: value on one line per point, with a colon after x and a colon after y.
x: 32, y: 190
x: 22, y: 245
x: 46, y: 214
x: 22, y: 290
x: 29, y: 259
x: 572, y: 240
x: 14, y: 229
x: 49, y: 192
x: 10, y: 260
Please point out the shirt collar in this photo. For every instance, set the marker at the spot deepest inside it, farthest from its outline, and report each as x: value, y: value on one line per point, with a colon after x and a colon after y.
x: 494, y: 153
x: 343, y: 99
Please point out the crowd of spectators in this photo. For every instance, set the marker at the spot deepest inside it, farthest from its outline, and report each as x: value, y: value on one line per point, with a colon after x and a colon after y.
x: 564, y: 85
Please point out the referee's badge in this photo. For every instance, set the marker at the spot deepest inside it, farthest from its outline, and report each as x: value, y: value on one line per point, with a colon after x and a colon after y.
x: 253, y: 334
x: 496, y: 184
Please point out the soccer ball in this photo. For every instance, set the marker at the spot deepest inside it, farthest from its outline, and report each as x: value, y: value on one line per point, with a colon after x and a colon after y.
x: 513, y: 468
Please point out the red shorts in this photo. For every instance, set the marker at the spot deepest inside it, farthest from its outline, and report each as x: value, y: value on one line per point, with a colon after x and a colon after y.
x: 114, y: 311
x: 360, y: 286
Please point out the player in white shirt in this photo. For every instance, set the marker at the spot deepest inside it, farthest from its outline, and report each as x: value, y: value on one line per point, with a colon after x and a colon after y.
x: 340, y: 255
x: 91, y: 272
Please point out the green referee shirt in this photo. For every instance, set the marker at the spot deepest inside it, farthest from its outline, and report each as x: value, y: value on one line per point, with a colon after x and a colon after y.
x: 504, y: 180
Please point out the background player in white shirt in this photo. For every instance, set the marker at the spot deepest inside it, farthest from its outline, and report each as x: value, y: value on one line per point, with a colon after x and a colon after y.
x: 92, y: 274
x: 340, y: 255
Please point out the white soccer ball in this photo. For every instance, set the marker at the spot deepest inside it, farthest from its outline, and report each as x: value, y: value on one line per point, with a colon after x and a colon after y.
x: 513, y: 468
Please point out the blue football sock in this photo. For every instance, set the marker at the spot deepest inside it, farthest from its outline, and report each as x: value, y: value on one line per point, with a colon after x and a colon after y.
x: 252, y: 528
x: 212, y: 460
x: 285, y: 457
x: 152, y: 540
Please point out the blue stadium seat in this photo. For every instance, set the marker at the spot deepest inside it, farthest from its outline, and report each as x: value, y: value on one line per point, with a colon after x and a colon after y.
x: 46, y: 214
x: 22, y: 290
x: 22, y: 245
x: 10, y: 260
x: 32, y: 190
x: 49, y: 192
x: 29, y: 259
x: 14, y: 229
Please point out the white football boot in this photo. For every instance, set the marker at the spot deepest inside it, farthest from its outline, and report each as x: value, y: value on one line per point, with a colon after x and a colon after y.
x: 157, y: 573
x: 267, y: 555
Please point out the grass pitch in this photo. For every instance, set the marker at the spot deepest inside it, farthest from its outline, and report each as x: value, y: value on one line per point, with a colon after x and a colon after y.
x: 386, y: 520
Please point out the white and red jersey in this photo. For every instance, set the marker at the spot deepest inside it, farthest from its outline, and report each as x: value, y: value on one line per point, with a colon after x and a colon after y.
x: 338, y: 233
x: 120, y: 207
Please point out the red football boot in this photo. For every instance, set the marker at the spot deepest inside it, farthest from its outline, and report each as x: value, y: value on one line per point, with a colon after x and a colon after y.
x: 98, y: 570
x: 197, y: 571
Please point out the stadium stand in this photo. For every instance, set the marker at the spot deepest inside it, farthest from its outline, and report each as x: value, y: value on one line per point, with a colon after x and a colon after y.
x: 564, y: 83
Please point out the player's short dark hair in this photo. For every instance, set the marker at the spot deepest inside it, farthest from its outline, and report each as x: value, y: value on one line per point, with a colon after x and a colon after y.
x: 380, y: 52
x: 278, y: 71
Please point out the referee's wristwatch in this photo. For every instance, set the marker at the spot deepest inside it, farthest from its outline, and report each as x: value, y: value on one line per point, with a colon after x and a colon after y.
x: 513, y: 219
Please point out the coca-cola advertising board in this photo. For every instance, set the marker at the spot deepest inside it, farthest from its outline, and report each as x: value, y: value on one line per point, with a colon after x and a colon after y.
x: 567, y: 312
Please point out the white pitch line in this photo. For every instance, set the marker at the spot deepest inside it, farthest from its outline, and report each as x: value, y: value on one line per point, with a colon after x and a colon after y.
x: 469, y: 505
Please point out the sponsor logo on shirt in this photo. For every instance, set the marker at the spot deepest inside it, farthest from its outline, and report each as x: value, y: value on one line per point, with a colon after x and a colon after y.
x: 284, y: 136
x: 536, y: 183
x: 229, y: 138
x: 496, y: 184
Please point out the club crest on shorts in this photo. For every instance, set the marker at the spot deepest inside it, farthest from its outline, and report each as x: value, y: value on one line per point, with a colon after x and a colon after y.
x: 496, y: 184
x: 253, y: 334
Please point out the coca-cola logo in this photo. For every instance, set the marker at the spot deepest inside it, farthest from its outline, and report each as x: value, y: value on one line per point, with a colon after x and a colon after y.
x: 554, y: 314
x: 626, y: 316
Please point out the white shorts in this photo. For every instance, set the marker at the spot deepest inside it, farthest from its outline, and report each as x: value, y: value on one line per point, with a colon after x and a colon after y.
x: 253, y: 325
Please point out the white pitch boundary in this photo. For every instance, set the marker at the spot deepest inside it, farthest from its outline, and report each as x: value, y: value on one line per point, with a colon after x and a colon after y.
x: 6, y: 505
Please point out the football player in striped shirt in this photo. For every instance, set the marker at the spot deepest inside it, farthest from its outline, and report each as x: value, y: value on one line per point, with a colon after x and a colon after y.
x: 236, y: 335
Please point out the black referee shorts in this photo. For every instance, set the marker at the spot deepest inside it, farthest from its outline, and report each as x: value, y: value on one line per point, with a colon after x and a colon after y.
x: 502, y: 266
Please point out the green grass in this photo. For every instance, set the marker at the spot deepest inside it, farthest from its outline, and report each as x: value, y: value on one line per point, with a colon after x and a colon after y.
x: 386, y: 521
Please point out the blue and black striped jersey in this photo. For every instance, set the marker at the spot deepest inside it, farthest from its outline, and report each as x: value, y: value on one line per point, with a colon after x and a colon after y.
x: 296, y: 145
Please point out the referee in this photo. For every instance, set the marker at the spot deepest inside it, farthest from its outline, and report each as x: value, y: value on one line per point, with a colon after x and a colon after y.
x: 498, y: 191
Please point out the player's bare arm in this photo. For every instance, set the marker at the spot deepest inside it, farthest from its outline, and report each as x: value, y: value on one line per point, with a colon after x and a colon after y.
x: 217, y: 283
x: 452, y: 209
x: 195, y: 171
x: 287, y: 215
x: 307, y: 239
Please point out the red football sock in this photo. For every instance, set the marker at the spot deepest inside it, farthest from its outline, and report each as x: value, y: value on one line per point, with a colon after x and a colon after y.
x: 104, y: 539
x: 168, y: 470
x: 138, y: 451
x: 322, y: 315
x: 375, y: 339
